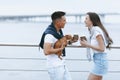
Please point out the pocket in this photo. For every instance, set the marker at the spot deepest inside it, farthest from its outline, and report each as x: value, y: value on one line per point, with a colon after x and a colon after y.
x: 97, y: 57
x: 100, y: 56
x: 101, y: 62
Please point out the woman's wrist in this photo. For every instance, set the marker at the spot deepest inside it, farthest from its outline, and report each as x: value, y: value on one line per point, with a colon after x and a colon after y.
x: 88, y: 45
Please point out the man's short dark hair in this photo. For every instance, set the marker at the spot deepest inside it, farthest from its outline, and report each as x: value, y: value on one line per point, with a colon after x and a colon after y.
x: 57, y: 15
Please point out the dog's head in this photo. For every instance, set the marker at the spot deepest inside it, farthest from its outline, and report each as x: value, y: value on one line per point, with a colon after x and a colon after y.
x: 68, y: 37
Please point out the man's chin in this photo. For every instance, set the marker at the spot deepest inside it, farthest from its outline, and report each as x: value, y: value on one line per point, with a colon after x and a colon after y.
x: 62, y: 27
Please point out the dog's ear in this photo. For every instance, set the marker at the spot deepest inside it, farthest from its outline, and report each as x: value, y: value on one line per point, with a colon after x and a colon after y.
x: 68, y: 36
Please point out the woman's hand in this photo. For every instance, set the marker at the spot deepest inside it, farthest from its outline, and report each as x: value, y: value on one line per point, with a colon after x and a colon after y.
x: 84, y: 43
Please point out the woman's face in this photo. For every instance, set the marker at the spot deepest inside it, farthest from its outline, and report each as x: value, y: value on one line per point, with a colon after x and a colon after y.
x: 88, y: 22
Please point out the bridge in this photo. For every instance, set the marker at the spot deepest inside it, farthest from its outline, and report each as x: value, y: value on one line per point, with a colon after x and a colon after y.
x: 46, y: 18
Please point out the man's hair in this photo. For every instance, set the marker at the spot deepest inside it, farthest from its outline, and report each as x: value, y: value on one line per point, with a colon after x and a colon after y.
x: 57, y: 15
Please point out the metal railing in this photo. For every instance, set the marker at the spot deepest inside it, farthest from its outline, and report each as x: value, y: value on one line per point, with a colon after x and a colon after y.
x: 30, y: 45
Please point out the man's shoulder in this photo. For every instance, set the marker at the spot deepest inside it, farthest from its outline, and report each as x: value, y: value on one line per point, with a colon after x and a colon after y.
x: 49, y: 35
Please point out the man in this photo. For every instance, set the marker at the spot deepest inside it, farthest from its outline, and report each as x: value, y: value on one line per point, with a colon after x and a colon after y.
x: 56, y: 67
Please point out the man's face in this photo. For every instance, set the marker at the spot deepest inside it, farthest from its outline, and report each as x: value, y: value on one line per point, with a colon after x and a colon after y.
x: 62, y: 22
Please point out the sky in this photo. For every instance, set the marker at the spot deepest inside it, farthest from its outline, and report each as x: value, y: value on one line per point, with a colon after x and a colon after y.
x: 36, y: 7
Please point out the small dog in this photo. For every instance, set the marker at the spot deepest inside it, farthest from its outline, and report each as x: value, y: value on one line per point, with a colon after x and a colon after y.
x: 62, y: 42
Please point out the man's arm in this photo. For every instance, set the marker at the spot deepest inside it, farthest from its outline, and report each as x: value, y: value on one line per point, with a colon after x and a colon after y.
x: 48, y: 49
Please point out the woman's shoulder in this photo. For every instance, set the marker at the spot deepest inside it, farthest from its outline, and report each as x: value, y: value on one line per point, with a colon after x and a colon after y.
x: 98, y: 29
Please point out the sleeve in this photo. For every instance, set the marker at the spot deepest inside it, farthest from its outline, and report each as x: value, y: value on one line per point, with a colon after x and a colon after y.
x: 49, y: 38
x: 97, y: 32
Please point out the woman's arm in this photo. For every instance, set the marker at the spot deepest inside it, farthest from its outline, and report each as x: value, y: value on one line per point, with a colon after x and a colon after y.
x: 100, y: 47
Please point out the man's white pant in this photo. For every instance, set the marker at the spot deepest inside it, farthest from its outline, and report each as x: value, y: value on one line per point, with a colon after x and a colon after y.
x: 59, y: 73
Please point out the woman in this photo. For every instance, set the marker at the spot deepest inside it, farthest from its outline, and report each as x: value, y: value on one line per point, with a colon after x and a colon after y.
x: 99, y: 40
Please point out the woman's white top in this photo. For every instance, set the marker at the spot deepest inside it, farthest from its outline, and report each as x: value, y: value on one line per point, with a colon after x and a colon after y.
x: 94, y: 32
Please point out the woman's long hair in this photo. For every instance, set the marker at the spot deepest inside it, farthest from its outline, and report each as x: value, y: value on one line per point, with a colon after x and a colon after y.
x: 97, y: 22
